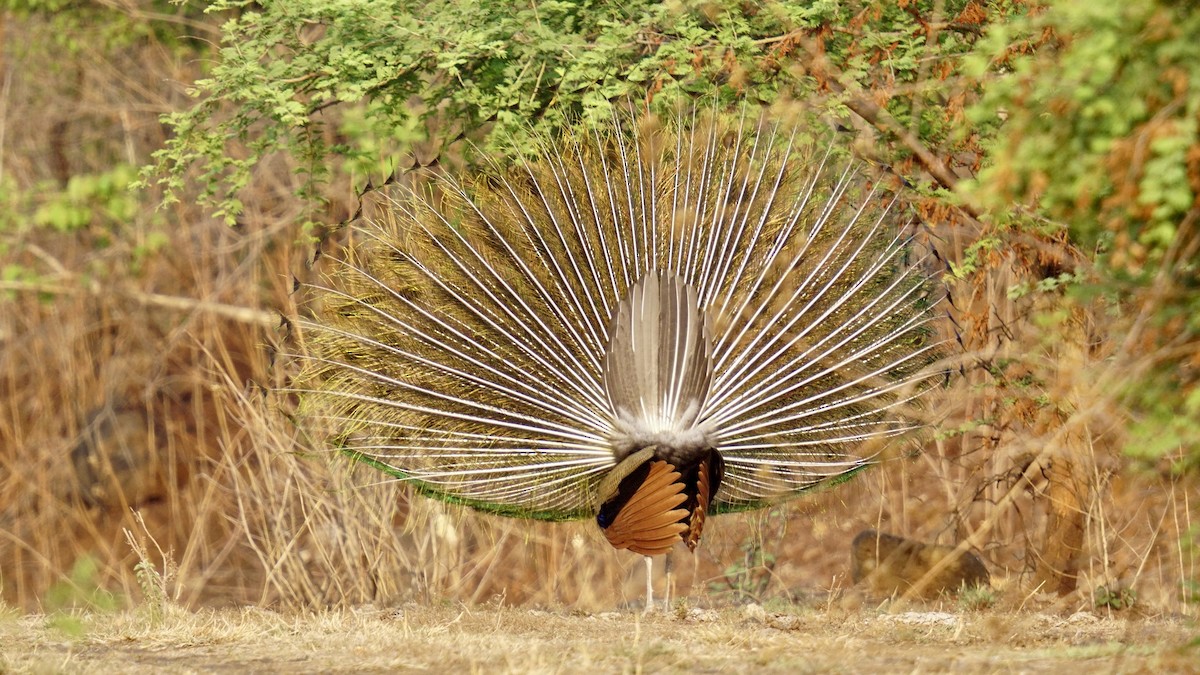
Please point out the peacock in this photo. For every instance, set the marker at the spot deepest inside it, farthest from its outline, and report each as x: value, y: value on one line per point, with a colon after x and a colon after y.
x: 647, y: 323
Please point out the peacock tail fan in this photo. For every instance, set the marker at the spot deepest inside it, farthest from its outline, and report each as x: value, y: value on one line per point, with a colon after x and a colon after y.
x: 461, y: 342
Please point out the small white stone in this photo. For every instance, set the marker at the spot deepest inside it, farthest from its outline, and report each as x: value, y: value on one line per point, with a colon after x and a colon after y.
x: 1082, y: 617
x: 927, y: 619
x: 754, y: 612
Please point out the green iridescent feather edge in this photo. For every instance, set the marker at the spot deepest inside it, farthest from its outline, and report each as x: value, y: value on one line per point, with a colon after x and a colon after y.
x: 433, y: 492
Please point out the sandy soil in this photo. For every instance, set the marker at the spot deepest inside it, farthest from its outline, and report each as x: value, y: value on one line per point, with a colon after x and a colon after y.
x: 494, y: 640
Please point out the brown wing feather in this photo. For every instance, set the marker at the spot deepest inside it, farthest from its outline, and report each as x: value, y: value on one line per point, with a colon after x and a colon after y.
x: 700, y: 510
x: 649, y: 523
x: 661, y: 482
x: 709, y: 475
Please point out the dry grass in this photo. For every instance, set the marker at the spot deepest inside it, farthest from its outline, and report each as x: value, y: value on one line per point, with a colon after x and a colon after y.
x: 495, y: 639
x: 135, y: 395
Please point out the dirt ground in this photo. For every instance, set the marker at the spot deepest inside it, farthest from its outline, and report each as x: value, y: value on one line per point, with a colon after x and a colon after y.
x: 498, y: 640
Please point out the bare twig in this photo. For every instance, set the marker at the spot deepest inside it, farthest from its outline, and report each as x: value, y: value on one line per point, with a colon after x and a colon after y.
x: 882, y: 120
x: 247, y: 315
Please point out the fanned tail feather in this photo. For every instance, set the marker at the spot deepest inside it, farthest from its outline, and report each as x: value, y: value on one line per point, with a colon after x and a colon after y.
x: 658, y: 367
x: 482, y: 340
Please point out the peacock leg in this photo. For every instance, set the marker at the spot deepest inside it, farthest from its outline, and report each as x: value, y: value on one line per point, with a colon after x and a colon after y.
x: 670, y: 583
x: 649, y: 585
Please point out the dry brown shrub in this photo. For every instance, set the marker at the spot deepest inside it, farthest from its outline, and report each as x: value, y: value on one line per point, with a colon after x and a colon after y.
x: 114, y: 360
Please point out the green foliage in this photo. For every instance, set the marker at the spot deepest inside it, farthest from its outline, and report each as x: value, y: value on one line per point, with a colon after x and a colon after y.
x: 21, y: 274
x: 1115, y: 596
x: 104, y: 198
x: 100, y: 208
x: 747, y: 579
x: 156, y: 600
x: 81, y: 591
x: 1099, y: 128
x: 1168, y: 424
x: 1189, y: 548
x: 974, y: 257
x: 499, y: 70
x: 104, y: 204
x: 13, y: 206
x: 371, y: 145
x: 1102, y: 134
x: 153, y: 586
x: 77, y: 27
x: 975, y: 598
x: 1054, y: 284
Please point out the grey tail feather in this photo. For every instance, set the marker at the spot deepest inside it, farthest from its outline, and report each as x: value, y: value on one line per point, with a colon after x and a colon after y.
x: 658, y: 367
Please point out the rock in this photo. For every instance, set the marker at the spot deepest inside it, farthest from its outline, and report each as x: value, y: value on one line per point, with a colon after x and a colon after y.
x: 754, y: 612
x: 698, y: 615
x: 118, y: 460
x: 1082, y: 618
x: 927, y: 619
x: 784, y: 622
x: 891, y: 565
